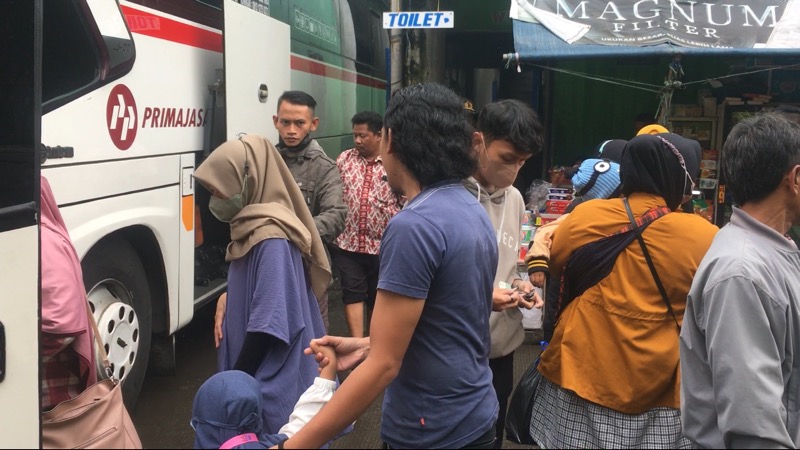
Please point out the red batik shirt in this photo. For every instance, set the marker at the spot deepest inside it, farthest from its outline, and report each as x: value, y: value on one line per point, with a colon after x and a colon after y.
x: 370, y: 202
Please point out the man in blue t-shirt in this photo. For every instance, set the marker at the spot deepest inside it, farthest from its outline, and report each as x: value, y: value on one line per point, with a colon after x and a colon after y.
x: 429, y: 335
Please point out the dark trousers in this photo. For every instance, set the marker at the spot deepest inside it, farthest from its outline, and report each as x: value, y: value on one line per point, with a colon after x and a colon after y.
x: 485, y: 441
x: 358, y: 275
x: 503, y: 381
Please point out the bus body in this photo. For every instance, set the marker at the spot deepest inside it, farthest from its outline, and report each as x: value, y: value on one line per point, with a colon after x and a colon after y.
x: 19, y: 231
x: 135, y: 93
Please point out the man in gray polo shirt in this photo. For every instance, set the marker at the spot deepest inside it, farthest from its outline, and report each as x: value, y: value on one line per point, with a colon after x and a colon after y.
x: 740, y: 342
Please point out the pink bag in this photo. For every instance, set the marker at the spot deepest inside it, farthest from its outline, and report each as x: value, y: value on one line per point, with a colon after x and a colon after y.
x: 95, y: 419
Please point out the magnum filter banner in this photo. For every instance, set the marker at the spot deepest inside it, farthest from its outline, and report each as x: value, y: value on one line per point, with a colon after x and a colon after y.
x: 695, y: 23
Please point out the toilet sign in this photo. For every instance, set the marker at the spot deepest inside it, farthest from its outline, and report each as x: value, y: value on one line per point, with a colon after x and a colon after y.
x: 418, y: 19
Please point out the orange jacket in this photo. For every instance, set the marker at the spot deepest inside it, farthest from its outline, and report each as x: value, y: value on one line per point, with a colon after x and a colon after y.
x: 616, y: 344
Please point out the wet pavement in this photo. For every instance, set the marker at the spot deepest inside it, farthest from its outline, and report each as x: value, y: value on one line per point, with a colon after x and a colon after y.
x: 165, y: 403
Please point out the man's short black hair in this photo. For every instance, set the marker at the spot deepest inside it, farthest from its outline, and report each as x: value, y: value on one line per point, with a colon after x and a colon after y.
x: 430, y: 133
x: 758, y: 153
x: 298, y: 98
x: 514, y: 122
x: 371, y: 118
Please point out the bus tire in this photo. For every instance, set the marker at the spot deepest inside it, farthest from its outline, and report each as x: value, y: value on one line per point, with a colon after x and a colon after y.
x: 119, y: 298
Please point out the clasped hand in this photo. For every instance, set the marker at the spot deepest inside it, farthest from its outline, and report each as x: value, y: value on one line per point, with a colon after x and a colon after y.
x: 522, y: 296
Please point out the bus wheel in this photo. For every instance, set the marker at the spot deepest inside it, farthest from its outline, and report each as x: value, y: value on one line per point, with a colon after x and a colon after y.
x: 119, y: 298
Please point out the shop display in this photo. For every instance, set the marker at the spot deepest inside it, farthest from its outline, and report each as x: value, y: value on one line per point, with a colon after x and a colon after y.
x: 704, y: 131
x: 546, y: 203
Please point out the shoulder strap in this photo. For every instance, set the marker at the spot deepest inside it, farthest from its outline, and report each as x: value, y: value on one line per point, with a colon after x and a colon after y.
x: 239, y: 440
x: 99, y: 343
x: 647, y: 257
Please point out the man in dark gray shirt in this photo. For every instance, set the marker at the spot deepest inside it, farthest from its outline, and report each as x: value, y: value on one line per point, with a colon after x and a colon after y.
x: 740, y: 358
x: 315, y: 173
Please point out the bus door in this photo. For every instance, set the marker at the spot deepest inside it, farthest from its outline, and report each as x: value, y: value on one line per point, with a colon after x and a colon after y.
x: 257, y: 69
x: 20, y: 119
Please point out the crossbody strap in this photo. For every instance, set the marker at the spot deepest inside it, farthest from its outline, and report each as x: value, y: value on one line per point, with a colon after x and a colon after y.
x: 650, y: 262
x: 99, y: 343
x: 239, y: 440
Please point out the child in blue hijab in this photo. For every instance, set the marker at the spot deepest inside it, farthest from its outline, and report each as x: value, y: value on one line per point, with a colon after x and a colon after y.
x: 226, y: 412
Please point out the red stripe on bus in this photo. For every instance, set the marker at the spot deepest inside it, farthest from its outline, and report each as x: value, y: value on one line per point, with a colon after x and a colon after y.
x: 324, y: 70
x: 149, y: 24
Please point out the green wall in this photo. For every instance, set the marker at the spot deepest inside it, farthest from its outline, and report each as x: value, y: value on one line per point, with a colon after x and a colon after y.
x: 587, y: 112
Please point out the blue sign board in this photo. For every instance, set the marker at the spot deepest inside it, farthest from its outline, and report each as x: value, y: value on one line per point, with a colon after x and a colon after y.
x: 418, y: 19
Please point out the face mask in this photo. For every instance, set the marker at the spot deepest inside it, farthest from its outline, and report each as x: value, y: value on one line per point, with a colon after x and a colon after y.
x: 687, y: 180
x: 226, y: 209
x: 497, y: 174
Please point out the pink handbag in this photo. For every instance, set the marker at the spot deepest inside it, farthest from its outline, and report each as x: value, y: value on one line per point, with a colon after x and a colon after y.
x: 97, y: 418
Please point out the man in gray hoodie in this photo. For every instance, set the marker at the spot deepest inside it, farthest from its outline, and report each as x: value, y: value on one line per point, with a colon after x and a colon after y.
x: 508, y: 134
x: 740, y: 368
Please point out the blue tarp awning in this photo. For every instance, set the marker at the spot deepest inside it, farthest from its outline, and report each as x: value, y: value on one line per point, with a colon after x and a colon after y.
x: 534, y: 42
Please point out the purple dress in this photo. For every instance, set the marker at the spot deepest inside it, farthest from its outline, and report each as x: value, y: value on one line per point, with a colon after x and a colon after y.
x: 268, y: 292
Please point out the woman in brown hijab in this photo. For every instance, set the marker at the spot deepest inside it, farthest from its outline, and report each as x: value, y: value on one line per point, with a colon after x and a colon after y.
x: 278, y: 271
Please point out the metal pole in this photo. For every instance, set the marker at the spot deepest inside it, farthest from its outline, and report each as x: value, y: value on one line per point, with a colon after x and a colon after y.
x: 396, y: 44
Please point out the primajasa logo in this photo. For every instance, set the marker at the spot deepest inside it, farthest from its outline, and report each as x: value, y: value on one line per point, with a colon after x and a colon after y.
x: 121, y: 117
x: 123, y: 122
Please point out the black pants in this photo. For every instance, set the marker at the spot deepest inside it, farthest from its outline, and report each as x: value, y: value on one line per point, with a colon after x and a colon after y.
x: 358, y: 275
x: 485, y: 441
x: 503, y: 381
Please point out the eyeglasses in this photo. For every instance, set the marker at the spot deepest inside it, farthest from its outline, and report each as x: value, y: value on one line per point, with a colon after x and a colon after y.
x: 681, y: 161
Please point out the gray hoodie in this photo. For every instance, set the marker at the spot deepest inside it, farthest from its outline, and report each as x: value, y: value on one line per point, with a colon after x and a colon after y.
x: 506, y: 209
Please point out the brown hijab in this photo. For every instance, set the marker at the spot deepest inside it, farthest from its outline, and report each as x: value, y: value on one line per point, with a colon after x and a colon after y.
x: 274, y: 206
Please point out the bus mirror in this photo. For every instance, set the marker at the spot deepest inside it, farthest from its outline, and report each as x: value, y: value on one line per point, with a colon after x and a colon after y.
x: 116, y: 37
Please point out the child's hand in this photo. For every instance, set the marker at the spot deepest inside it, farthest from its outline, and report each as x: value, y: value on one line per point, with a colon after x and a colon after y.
x: 329, y: 370
x: 537, y: 279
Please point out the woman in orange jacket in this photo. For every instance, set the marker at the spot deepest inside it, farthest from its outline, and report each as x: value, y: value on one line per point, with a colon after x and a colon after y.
x: 610, y: 376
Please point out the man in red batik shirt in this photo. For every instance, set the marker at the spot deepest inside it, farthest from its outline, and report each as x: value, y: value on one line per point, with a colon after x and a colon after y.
x: 370, y: 204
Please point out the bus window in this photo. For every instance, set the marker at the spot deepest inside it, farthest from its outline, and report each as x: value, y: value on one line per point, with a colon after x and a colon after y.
x: 215, y: 3
x: 18, y: 114
x: 85, y: 45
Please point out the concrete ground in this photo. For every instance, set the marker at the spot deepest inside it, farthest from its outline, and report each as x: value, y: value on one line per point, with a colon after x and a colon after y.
x: 366, y: 434
x: 165, y: 403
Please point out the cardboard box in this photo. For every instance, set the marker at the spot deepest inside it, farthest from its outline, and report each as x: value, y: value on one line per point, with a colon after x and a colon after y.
x: 710, y: 154
x: 556, y: 206
x: 547, y: 218
x: 709, y: 107
x: 694, y: 111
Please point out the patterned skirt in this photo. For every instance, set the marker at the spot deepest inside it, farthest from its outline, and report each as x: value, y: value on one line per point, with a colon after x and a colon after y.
x: 561, y: 419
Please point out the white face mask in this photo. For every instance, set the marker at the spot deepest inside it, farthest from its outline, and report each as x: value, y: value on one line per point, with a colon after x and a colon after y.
x: 500, y: 175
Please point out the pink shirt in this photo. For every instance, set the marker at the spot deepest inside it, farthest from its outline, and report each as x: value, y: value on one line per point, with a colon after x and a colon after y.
x: 370, y: 202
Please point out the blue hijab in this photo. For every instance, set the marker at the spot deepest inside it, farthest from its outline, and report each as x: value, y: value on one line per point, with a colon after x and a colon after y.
x: 226, y: 405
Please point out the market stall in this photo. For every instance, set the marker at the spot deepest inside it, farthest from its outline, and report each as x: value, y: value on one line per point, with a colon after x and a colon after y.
x: 697, y: 67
